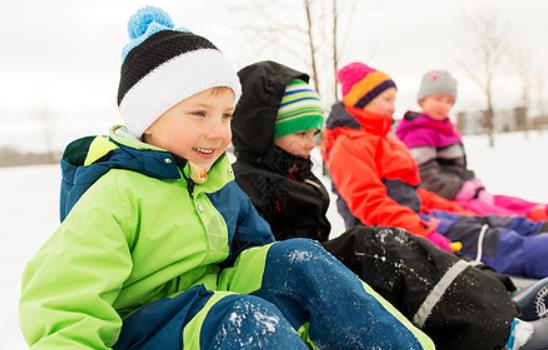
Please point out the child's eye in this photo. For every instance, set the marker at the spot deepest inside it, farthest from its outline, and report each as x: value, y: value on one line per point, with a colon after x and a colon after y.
x: 227, y: 116
x: 198, y: 113
x: 317, y: 132
x: 301, y: 133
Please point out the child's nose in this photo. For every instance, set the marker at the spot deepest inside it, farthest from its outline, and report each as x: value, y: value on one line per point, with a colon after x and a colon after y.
x: 309, y: 142
x: 216, y: 130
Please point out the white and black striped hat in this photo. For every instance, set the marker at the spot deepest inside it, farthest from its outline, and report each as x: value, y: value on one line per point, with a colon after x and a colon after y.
x: 163, y: 65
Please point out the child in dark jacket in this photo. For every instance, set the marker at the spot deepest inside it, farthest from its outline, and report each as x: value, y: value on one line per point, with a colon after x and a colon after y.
x: 274, y: 168
x: 438, y: 149
x: 377, y: 181
x: 160, y: 249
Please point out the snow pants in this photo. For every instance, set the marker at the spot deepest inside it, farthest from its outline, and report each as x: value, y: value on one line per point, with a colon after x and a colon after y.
x: 458, y: 304
x: 511, y: 245
x: 506, y: 206
x: 286, y: 295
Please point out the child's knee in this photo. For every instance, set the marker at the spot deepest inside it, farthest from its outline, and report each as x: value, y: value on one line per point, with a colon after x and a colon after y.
x: 299, y: 245
x: 246, y: 321
x: 298, y: 250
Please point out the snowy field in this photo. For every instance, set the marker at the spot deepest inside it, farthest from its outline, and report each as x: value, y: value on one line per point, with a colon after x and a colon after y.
x: 29, y: 207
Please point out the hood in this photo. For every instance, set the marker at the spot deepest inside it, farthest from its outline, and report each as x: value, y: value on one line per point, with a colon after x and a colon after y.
x: 344, y: 120
x: 414, y: 122
x: 340, y: 117
x: 118, y: 150
x: 357, y: 118
x: 263, y: 86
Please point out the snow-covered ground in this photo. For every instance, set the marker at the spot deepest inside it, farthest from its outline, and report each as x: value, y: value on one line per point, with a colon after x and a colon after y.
x: 29, y: 207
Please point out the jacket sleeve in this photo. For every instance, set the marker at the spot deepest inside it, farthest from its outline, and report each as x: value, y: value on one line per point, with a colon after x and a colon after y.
x: 353, y: 169
x: 432, y: 201
x: 434, y: 177
x: 261, y: 190
x: 251, y: 230
x: 70, y: 285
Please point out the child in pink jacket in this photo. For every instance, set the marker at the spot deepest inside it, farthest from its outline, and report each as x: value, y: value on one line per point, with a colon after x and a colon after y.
x: 438, y: 149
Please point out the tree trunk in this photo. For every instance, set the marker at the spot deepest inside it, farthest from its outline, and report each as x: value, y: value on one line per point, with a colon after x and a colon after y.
x: 335, y: 53
x: 307, y: 5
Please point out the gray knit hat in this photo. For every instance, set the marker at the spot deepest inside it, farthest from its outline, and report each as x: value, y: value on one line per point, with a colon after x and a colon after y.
x: 437, y: 82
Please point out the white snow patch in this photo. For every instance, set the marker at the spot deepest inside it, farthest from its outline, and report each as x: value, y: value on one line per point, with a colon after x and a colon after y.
x: 381, y: 258
x: 270, y: 323
x: 236, y: 319
x: 299, y: 256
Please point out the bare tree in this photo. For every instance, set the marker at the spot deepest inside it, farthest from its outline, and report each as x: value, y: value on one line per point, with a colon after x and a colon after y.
x: 307, y: 30
x: 539, y: 88
x: 335, y: 60
x: 311, y: 43
x: 483, y: 43
x: 270, y: 30
x: 523, y: 65
x: 46, y: 119
x: 273, y: 30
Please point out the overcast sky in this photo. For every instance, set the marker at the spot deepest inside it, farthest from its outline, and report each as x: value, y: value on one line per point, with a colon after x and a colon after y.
x: 65, y: 55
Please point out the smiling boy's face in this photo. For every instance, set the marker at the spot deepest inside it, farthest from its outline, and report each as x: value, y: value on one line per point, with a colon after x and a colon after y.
x: 197, y: 128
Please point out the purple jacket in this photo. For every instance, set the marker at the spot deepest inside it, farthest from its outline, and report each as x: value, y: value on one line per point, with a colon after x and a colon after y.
x: 439, y: 152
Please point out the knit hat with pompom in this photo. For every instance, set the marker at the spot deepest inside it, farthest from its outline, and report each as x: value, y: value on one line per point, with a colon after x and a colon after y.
x: 163, y: 65
x: 361, y: 84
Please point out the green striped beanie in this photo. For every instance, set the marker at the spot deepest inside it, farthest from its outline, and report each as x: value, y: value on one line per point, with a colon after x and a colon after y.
x: 300, y: 109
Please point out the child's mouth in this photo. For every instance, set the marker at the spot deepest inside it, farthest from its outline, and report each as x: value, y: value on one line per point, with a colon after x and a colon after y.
x: 204, y: 152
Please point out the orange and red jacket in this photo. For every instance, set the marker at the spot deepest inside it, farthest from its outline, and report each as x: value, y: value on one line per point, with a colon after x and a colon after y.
x: 363, y: 157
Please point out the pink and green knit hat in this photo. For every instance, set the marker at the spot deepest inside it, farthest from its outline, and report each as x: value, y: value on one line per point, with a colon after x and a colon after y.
x: 361, y: 84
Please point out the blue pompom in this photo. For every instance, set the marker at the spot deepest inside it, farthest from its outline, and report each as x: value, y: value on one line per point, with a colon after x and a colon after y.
x: 142, y: 19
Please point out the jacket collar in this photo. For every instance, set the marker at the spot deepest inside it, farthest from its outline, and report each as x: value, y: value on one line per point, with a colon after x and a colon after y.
x: 284, y: 163
x: 413, y: 120
x: 128, y: 152
x: 371, y: 122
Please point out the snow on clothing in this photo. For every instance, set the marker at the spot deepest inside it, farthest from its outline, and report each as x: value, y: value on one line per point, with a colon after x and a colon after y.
x: 438, y: 149
x: 294, y: 202
x: 376, y: 179
x: 146, y: 259
x: 391, y: 261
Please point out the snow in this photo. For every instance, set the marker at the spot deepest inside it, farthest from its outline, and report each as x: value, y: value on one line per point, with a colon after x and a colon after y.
x: 29, y: 207
x: 231, y: 332
x: 299, y: 256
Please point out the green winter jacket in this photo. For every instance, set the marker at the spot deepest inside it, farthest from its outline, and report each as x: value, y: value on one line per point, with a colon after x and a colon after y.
x: 132, y: 238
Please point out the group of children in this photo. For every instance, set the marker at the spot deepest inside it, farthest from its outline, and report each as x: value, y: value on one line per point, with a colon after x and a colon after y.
x: 377, y: 178
x: 164, y: 245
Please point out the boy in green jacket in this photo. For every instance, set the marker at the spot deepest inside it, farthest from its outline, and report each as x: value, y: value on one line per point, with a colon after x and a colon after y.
x: 160, y: 249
